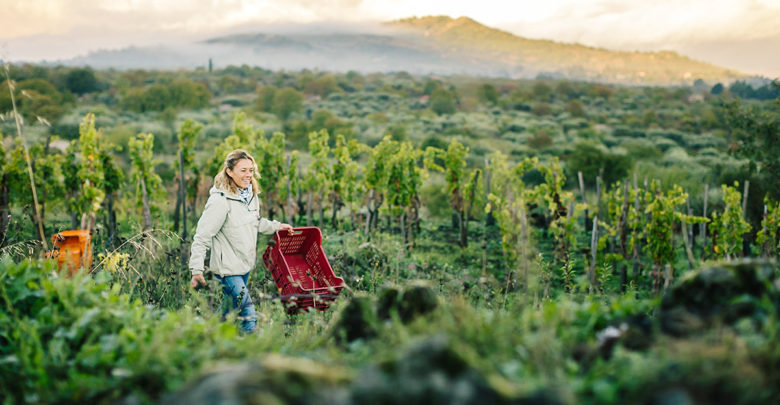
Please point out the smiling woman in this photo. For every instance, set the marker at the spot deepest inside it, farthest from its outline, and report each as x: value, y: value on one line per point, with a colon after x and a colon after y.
x: 229, y: 226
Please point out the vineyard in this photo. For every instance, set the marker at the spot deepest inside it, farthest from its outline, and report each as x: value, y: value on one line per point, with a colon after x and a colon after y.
x: 501, y: 241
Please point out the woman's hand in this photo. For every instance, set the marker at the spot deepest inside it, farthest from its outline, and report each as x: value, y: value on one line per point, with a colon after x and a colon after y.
x: 197, y: 280
x: 288, y: 227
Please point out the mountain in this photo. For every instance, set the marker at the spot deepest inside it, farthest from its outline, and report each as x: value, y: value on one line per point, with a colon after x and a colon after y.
x: 426, y: 45
x: 467, y: 40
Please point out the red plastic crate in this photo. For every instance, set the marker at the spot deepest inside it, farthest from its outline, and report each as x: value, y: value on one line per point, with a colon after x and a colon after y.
x: 301, y: 271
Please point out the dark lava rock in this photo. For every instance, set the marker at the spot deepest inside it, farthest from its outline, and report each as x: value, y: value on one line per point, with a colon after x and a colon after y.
x: 416, y: 298
x: 434, y: 372
x: 356, y: 321
x: 277, y: 380
x: 721, y: 293
x: 388, y: 302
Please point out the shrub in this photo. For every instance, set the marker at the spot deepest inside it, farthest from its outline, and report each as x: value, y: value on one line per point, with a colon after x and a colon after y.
x: 590, y: 160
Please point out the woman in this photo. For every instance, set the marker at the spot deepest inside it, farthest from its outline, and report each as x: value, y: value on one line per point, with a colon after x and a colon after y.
x: 229, y: 226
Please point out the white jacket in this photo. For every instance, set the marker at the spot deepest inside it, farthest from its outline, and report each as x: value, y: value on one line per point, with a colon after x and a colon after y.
x: 229, y: 227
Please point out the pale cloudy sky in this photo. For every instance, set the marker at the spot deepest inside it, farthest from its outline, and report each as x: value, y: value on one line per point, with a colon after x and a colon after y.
x: 743, y: 34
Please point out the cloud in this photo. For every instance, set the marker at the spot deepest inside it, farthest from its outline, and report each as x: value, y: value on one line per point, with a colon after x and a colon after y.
x: 637, y: 23
x: 63, y: 28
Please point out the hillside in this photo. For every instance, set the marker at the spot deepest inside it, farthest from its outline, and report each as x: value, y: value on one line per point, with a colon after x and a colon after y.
x: 468, y: 40
x: 428, y: 45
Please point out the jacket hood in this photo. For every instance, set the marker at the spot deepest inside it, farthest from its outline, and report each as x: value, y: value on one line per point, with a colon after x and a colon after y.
x: 227, y: 193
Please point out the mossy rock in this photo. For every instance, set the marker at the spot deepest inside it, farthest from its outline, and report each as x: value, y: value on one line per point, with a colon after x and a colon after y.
x: 722, y: 293
x: 356, y: 321
x: 434, y: 371
x: 418, y: 299
x: 388, y: 302
x: 276, y: 380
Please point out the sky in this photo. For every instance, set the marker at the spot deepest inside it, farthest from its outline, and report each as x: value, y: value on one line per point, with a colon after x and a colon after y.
x: 741, y: 34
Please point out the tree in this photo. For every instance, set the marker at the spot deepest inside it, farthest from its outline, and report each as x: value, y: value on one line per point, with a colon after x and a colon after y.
x: 509, y: 199
x: 90, y: 173
x: 344, y: 176
x: 34, y: 98
x: 455, y: 174
x: 149, y: 191
x: 575, y: 108
x: 265, y: 98
x: 375, y: 178
x: 81, y: 81
x: 591, y: 160
x: 754, y: 135
x: 659, y: 230
x: 730, y: 225
x: 49, y: 180
x: 270, y: 155
x: 287, y: 101
x: 488, y: 93
x: 442, y: 102
x: 187, y: 136
x: 542, y: 91
x: 318, y: 177
x: 113, y: 180
x: 321, y: 86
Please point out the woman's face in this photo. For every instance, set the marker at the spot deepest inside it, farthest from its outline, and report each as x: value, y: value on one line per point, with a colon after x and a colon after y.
x: 242, y: 173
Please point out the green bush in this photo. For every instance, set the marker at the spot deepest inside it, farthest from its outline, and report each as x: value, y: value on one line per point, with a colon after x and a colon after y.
x: 590, y: 160
x: 80, y: 340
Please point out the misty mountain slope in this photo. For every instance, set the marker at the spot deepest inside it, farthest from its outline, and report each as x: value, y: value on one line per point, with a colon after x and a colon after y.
x: 427, y: 45
x: 466, y: 38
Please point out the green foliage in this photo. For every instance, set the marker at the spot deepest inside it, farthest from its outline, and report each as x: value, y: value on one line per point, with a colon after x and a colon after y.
x: 561, y: 208
x: 287, y: 101
x: 79, y: 339
x: 591, y: 160
x: 730, y: 225
x: 509, y: 199
x: 244, y: 136
x: 187, y: 136
x: 755, y: 136
x: 183, y: 93
x: 442, y: 102
x: 269, y: 153
x: 488, y: 93
x: 149, y: 191
x: 455, y: 165
x: 34, y: 98
x: 768, y: 237
x: 90, y: 172
x: 575, y: 108
x: 265, y: 98
x: 321, y: 86
x: 81, y: 81
x: 318, y: 177
x: 346, y: 188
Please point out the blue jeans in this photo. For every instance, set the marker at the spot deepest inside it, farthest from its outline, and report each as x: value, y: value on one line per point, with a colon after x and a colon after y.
x: 237, y: 297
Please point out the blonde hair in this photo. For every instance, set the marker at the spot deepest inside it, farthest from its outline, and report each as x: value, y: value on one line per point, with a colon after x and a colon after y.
x: 223, y: 181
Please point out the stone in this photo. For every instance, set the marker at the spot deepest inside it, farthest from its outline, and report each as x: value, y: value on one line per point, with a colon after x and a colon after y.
x: 418, y: 299
x: 722, y: 293
x: 356, y: 321
x: 276, y: 380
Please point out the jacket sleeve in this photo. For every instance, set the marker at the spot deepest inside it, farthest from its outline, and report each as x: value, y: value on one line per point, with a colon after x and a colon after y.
x: 267, y: 227
x: 209, y: 224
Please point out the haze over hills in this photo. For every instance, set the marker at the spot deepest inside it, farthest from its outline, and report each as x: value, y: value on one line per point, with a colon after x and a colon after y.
x: 426, y: 45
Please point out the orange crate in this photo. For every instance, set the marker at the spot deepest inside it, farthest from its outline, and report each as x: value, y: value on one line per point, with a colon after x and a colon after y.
x: 72, y: 249
x: 301, y: 270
